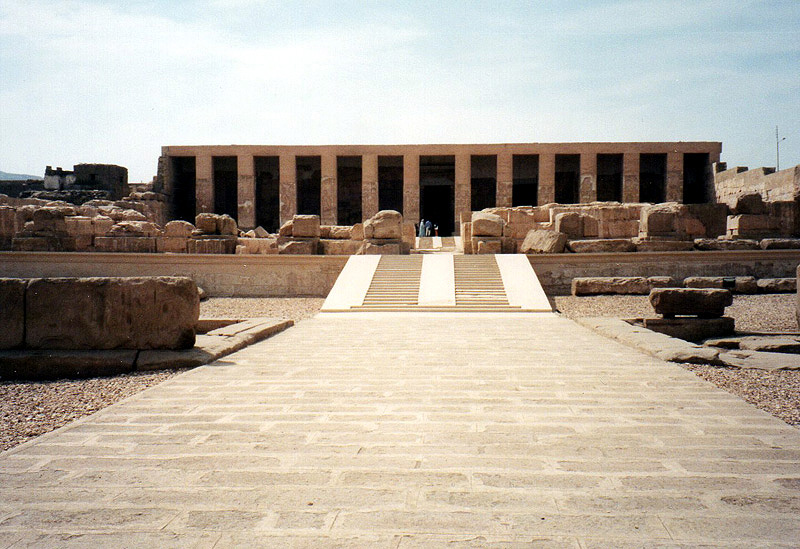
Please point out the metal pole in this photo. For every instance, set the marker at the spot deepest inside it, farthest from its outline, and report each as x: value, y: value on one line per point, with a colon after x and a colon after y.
x: 777, y: 151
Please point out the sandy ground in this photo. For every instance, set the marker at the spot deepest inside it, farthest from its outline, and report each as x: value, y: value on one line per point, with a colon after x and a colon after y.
x: 775, y: 392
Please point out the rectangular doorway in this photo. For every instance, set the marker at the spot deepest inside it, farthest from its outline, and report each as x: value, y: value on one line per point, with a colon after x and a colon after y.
x: 437, y: 179
x: 696, y: 178
x: 268, y: 192
x: 309, y: 183
x: 567, y: 180
x: 652, y: 178
x: 525, y: 180
x: 609, y: 177
x: 483, y: 182
x: 184, y: 188
x: 390, y: 183
x: 226, y: 185
x: 348, y: 190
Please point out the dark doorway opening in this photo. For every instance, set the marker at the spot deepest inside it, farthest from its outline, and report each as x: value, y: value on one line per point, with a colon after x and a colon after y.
x: 268, y: 192
x: 652, y: 178
x: 525, y: 183
x: 567, y: 179
x: 696, y: 175
x: 483, y: 182
x: 437, y: 176
x: 609, y: 177
x: 390, y: 183
x: 226, y: 186
x: 348, y: 190
x: 184, y: 193
x: 309, y: 181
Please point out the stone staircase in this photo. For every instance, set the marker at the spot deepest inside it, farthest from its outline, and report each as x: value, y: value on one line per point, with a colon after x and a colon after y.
x: 395, y: 286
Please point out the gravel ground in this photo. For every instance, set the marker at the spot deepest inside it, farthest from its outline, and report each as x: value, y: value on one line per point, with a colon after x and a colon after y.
x: 30, y: 409
x: 775, y: 392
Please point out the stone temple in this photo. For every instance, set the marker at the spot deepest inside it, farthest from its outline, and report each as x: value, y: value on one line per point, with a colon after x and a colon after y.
x: 266, y: 185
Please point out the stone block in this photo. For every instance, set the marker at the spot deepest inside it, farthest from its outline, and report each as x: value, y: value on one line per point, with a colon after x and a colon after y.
x: 751, y: 225
x: 42, y: 244
x: 8, y: 221
x: 539, y: 241
x: 111, y: 313
x: 178, y: 228
x: 172, y: 244
x: 261, y: 232
x: 259, y: 246
x: 286, y: 229
x: 409, y: 234
x: 604, y: 245
x: 486, y: 224
x: 736, y: 284
x: 521, y: 221
x: 659, y: 219
x: 334, y: 231
x: 486, y: 245
x: 386, y: 224
x: 84, y: 243
x: 305, y: 226
x: 226, y: 225
x: 381, y: 247
x: 662, y: 245
x: 721, y: 244
x: 212, y: 245
x: 206, y: 223
x: 305, y: 246
x: 134, y: 228
x: 702, y: 302
x: 750, y: 204
x: 663, y: 282
x: 712, y: 216
x: 776, y: 285
x: 591, y: 226
x: 619, y: 229
x: 780, y: 244
x: 125, y: 244
x: 49, y: 219
x: 339, y: 247
x: 570, y: 223
x: 621, y: 285
x: 786, y: 214
x: 691, y: 329
x: 12, y: 319
x: 102, y: 225
x: 79, y: 225
x: 357, y: 232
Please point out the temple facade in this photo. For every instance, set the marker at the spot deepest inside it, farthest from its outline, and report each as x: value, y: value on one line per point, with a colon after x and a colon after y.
x: 344, y: 184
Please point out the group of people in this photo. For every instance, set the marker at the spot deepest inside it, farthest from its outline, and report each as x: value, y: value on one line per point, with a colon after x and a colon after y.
x: 426, y: 228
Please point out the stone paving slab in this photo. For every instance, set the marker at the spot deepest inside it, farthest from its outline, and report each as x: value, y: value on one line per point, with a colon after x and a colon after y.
x: 414, y: 430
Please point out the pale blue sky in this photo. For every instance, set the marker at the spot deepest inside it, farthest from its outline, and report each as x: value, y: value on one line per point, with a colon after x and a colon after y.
x: 92, y: 81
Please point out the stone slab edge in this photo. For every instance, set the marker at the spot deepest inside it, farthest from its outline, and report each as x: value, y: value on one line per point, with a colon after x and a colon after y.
x: 672, y: 349
x: 45, y: 364
x: 522, y: 286
x: 352, y: 284
x: 437, y: 286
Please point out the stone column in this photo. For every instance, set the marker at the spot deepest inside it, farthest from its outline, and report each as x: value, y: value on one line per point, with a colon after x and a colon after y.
x: 547, y: 179
x: 329, y: 207
x: 288, y: 186
x: 204, y: 184
x: 463, y: 190
x: 246, y: 192
x: 505, y: 179
x: 369, y: 185
x: 630, y: 177
x: 411, y: 187
x: 588, y: 181
x: 674, y: 191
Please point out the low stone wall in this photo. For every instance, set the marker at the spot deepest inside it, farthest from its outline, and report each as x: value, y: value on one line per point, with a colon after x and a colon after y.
x: 217, y: 274
x: 99, y: 313
x: 556, y: 271
x: 730, y: 184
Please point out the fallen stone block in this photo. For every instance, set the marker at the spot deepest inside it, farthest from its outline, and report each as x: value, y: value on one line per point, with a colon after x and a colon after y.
x: 206, y: 223
x: 619, y: 285
x: 777, y: 285
x: 770, y: 344
x: 486, y: 224
x: 662, y: 245
x: 111, y: 313
x: 717, y: 244
x: 386, y: 224
x: 569, y: 223
x: 261, y: 232
x: 357, y: 232
x: 691, y: 329
x: 736, y: 284
x: 705, y: 303
x: 12, y: 321
x: 380, y: 247
x: 176, y: 229
x: 305, y: 226
x: 760, y: 360
x: 286, y: 229
x: 539, y: 241
x: 604, y: 245
x: 750, y: 204
x: 780, y: 244
x: 334, y: 231
x: 663, y: 282
x: 226, y: 225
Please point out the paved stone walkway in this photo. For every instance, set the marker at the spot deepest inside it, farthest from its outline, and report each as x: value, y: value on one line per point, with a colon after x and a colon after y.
x: 415, y: 430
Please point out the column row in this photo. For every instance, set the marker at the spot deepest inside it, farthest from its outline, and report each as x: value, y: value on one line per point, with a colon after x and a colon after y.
x: 269, y: 190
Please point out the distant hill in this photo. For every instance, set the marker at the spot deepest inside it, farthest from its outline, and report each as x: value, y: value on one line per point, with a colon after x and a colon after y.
x: 4, y: 176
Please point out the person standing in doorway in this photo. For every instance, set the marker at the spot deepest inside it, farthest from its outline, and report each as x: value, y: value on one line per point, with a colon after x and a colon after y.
x: 421, y: 231
x: 428, y: 228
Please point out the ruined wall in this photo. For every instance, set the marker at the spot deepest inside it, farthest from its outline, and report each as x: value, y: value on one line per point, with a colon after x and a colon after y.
x: 730, y: 184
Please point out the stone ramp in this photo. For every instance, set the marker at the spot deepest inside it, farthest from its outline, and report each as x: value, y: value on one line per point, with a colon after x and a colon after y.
x: 437, y: 282
x: 417, y: 430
